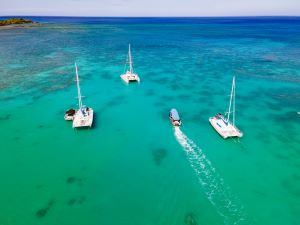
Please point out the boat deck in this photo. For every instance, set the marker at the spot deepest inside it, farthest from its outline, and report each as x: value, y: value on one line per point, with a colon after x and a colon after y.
x: 226, y: 130
x: 130, y: 77
x: 81, y: 120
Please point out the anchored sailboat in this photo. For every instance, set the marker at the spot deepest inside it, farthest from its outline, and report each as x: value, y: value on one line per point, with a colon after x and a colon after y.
x: 224, y: 126
x: 84, y: 115
x: 130, y: 76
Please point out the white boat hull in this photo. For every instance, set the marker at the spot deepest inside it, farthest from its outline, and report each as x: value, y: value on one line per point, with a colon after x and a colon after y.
x: 174, y: 118
x: 226, y: 130
x: 81, y: 120
x: 130, y: 77
x: 69, y: 118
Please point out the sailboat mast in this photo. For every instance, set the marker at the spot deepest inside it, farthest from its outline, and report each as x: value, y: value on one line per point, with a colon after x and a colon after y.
x: 233, y: 115
x: 231, y: 95
x: 130, y: 60
x: 78, y: 88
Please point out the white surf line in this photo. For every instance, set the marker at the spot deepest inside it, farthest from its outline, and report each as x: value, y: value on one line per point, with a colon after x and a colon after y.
x: 213, y: 185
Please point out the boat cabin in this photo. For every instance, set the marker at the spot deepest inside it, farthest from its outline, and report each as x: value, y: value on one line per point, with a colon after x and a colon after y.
x: 129, y: 77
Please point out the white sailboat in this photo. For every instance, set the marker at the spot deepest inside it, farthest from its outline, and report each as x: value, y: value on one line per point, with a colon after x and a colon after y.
x: 130, y: 76
x: 224, y: 126
x: 84, y: 115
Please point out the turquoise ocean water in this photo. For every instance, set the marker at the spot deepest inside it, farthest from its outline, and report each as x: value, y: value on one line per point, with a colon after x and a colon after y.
x: 133, y: 168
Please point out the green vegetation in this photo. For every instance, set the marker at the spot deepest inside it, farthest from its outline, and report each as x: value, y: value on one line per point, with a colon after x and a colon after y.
x: 14, y: 21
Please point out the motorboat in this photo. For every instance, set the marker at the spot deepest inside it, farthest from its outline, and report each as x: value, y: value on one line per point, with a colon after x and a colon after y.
x: 174, y: 118
x: 69, y: 114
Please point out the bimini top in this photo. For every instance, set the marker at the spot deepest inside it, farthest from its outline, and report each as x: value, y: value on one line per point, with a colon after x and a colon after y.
x: 174, y: 114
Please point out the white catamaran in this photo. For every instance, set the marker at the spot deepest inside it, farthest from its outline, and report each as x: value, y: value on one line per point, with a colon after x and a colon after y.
x: 84, y: 115
x: 130, y: 76
x: 224, y: 126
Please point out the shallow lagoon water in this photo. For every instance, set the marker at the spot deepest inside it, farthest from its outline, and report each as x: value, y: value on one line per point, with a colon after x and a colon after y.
x: 130, y: 168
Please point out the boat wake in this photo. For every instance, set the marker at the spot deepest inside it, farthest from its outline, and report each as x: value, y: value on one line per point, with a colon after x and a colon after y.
x: 213, y: 185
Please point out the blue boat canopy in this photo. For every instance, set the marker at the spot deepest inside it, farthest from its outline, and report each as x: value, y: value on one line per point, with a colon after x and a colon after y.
x: 174, y: 114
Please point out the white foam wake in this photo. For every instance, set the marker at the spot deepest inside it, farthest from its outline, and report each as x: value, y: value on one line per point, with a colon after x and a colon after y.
x: 213, y: 185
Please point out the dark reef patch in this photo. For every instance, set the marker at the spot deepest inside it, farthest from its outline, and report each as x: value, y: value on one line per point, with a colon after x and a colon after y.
x: 283, y: 138
x: 71, y: 180
x: 273, y: 106
x: 79, y: 200
x: 188, y: 87
x: 164, y: 113
x: 162, y: 80
x: 200, y: 116
x: 150, y: 92
x: 35, y: 98
x: 115, y: 101
x: 253, y: 118
x: 184, y: 97
x: 287, y: 117
x: 292, y: 187
x: 262, y: 137
x: 159, y: 104
x: 200, y: 100
x: 5, y: 117
x: 211, y: 103
x: 282, y: 156
x: 74, y: 180
x: 39, y: 186
x: 16, y: 138
x: 206, y: 93
x: 190, y: 219
x: 56, y: 87
x: 80, y: 182
x: 296, y: 177
x: 166, y: 98
x: 106, y: 76
x: 175, y: 87
x: 262, y: 61
x: 72, y: 201
x: 159, y: 155
x: 43, y: 211
x: 242, y: 105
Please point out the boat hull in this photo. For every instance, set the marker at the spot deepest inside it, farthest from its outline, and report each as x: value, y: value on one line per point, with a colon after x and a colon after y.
x: 69, y: 115
x: 130, y: 77
x: 225, y: 130
x: 69, y: 118
x: 174, y: 118
x: 175, y: 123
x: 83, y: 121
